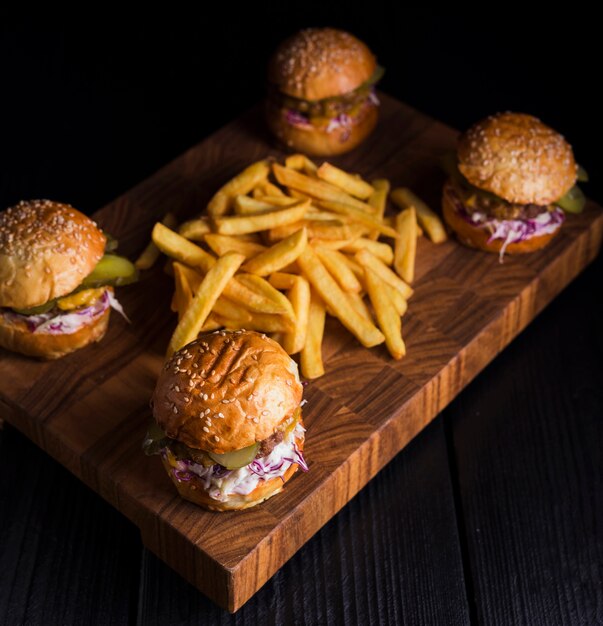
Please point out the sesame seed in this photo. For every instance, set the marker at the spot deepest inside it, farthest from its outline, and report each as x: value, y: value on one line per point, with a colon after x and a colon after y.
x: 205, y: 429
x: 216, y: 438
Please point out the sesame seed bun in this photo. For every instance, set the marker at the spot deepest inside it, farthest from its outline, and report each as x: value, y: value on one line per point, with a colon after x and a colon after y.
x: 194, y: 490
x: 317, y: 141
x: 226, y: 391
x: 518, y: 158
x: 318, y: 63
x: 16, y: 336
x: 46, y: 250
x: 476, y: 237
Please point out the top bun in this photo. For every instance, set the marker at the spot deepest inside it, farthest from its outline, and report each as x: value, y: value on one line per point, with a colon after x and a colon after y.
x: 518, y: 158
x: 226, y: 391
x: 318, y: 63
x: 46, y: 250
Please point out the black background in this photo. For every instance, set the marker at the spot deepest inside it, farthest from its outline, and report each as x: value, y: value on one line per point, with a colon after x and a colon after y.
x: 90, y: 109
x: 493, y: 514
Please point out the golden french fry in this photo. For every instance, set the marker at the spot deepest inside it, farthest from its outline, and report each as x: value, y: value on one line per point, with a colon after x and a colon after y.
x: 387, y: 316
x: 406, y: 245
x: 211, y: 323
x: 250, y: 298
x: 357, y: 301
x: 221, y: 244
x: 359, y: 215
x: 378, y: 200
x: 332, y: 295
x: 301, y: 162
x: 205, y: 297
x: 294, y: 193
x: 279, y: 200
x: 349, y: 183
x: 262, y: 322
x: 244, y: 205
x: 279, y: 255
x: 315, y: 187
x: 356, y: 269
x: 183, y: 294
x: 226, y: 308
x: 282, y: 280
x: 181, y: 249
x: 381, y: 250
x: 151, y: 253
x: 242, y: 183
x: 310, y: 357
x: 262, y: 287
x: 269, y: 189
x: 257, y: 193
x: 369, y: 261
x: 193, y: 277
x: 195, y: 230
x: 400, y: 304
x: 335, y: 263
x: 299, y: 296
x: 428, y: 220
x: 254, y: 223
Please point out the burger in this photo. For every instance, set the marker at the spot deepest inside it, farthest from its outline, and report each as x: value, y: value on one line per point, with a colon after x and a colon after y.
x: 227, y: 420
x: 321, y: 92
x: 510, y: 184
x: 56, y: 279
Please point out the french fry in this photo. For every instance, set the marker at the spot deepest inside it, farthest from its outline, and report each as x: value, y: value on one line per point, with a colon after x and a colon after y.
x: 279, y: 200
x: 279, y: 255
x: 335, y: 263
x: 369, y: 261
x: 255, y: 223
x: 428, y: 220
x: 204, y: 300
x: 301, y: 163
x: 387, y: 316
x: 257, y: 193
x: 226, y: 308
x: 320, y: 229
x: 356, y: 269
x: 299, y: 296
x: 400, y: 304
x: 183, y: 294
x: 193, y: 277
x: 181, y: 249
x: 332, y: 295
x: 311, y: 355
x: 350, y: 184
x: 262, y: 287
x: 294, y: 193
x: 405, y: 248
x: 282, y: 280
x: 242, y: 183
x: 221, y: 244
x: 211, y: 324
x: 262, y: 322
x: 195, y: 230
x: 151, y: 253
x: 359, y: 215
x: 315, y: 187
x: 269, y: 189
x: 381, y: 250
x: 378, y: 200
x: 357, y: 301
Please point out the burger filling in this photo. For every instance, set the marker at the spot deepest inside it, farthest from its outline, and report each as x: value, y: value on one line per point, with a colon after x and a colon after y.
x: 511, y: 223
x: 82, y: 306
x: 239, y: 472
x: 332, y: 113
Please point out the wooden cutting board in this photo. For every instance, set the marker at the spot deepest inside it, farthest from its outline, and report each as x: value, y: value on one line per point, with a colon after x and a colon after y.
x: 90, y: 409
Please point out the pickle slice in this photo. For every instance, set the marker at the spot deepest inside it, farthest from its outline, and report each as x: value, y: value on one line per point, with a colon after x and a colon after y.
x: 581, y: 174
x: 111, y: 270
x: 37, y: 310
x: 236, y: 458
x: 573, y: 201
x: 154, y: 440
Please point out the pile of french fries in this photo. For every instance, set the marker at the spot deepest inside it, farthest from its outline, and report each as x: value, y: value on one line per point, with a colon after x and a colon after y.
x: 282, y: 246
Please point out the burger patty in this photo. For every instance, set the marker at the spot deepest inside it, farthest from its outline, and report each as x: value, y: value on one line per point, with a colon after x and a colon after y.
x: 268, y: 445
x: 495, y: 207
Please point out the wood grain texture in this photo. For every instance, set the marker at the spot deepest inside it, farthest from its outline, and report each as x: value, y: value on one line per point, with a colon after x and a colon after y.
x: 89, y: 410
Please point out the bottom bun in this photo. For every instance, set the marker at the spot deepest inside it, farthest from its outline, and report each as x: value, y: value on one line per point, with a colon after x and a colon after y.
x: 316, y: 141
x: 16, y: 336
x: 194, y: 491
x: 476, y: 237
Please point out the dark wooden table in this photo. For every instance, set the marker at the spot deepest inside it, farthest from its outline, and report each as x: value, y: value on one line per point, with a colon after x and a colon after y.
x: 492, y: 515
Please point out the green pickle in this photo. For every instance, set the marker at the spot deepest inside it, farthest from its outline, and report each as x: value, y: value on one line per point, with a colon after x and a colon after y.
x: 573, y: 201
x: 237, y: 458
x: 581, y: 174
x: 37, y: 310
x: 155, y: 439
x: 111, y: 270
